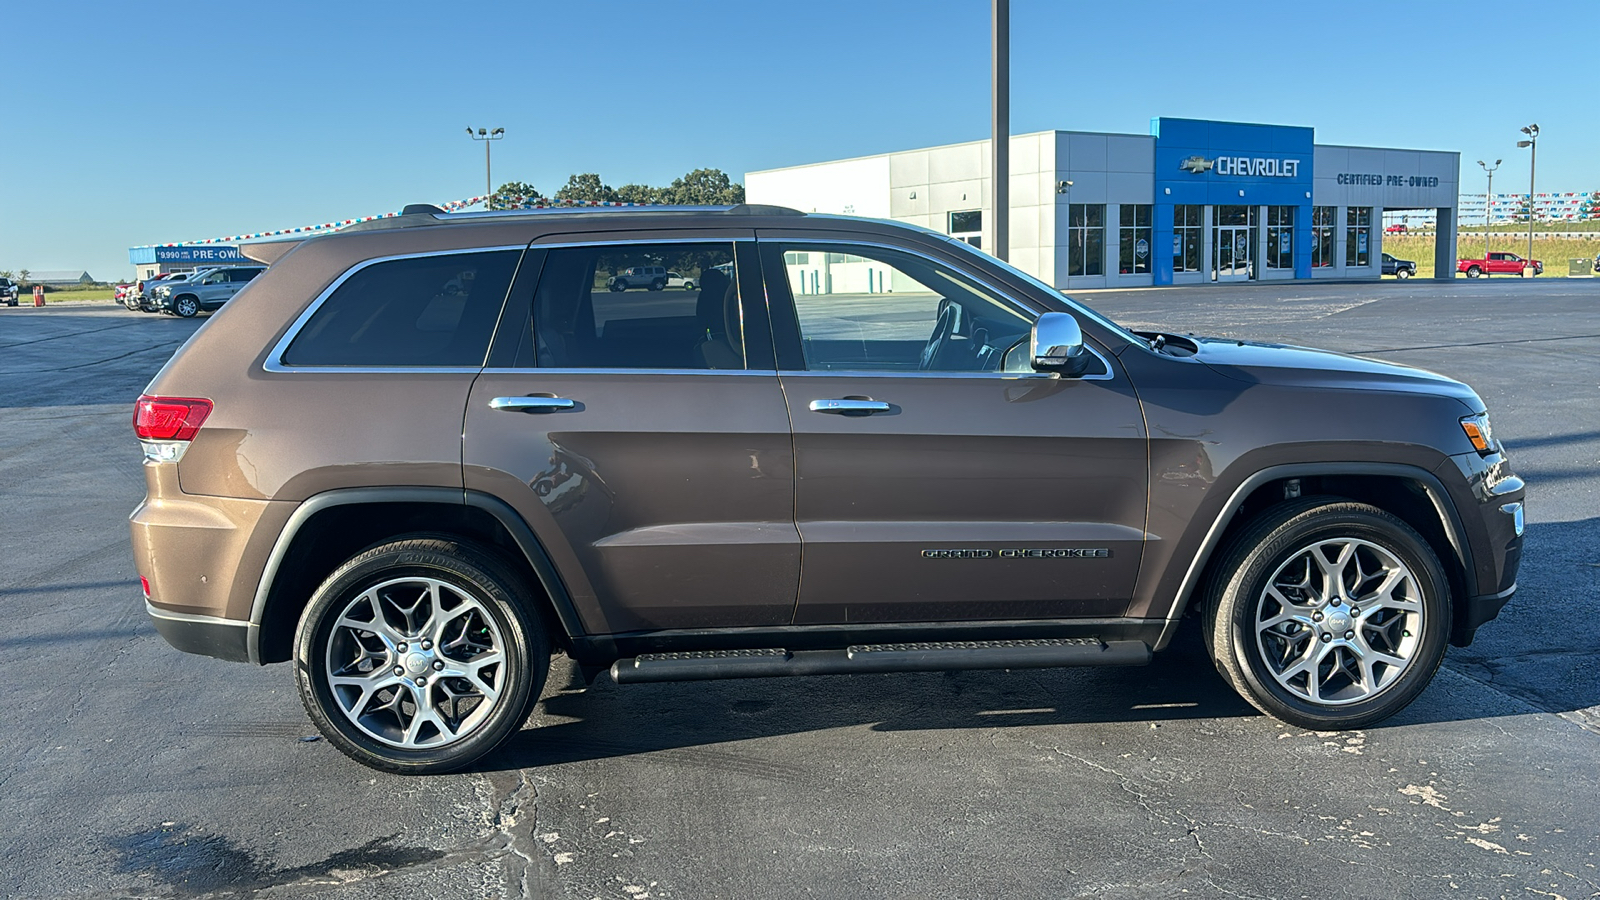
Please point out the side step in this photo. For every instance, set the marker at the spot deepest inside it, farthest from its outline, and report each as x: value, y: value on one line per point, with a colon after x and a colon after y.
x: 937, y: 656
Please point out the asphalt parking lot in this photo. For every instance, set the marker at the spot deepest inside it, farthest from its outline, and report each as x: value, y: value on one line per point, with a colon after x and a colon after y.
x: 133, y: 770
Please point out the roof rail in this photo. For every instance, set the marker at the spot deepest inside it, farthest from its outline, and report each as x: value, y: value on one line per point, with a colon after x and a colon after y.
x: 419, y: 214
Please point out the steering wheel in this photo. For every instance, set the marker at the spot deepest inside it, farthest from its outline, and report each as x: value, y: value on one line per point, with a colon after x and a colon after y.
x: 943, y: 328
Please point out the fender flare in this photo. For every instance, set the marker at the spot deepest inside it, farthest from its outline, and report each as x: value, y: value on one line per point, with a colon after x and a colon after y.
x: 526, y: 541
x: 1443, y: 505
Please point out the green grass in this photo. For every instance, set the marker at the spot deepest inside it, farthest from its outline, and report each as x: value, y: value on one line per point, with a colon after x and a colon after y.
x: 1553, y: 252
x: 69, y: 296
x: 1591, y: 225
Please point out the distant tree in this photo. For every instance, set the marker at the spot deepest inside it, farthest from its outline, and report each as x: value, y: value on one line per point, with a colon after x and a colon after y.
x: 7, y: 274
x: 22, y: 276
x: 587, y: 186
x: 639, y: 193
x: 704, y: 187
x: 513, y: 194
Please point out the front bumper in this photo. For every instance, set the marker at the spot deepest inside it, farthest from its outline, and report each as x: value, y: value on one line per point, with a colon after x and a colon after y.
x: 1493, y: 515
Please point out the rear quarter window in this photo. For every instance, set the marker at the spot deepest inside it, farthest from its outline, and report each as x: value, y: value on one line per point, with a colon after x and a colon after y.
x: 419, y: 312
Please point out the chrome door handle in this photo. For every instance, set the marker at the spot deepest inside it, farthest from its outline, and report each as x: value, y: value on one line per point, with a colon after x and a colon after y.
x: 849, y: 407
x: 531, y: 404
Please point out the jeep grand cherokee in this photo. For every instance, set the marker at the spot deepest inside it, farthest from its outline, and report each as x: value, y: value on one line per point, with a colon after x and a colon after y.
x: 432, y: 450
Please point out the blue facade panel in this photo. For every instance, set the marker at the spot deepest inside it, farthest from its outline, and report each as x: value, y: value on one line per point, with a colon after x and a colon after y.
x: 1231, y: 164
x: 208, y: 253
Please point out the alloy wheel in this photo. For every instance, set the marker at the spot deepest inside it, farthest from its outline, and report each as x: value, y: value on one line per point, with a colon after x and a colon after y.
x: 1339, y: 622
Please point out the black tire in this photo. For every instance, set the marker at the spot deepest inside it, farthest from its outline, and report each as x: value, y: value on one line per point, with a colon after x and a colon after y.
x: 688, y: 284
x: 1473, y: 271
x: 1275, y: 539
x: 470, y: 572
x: 186, y: 306
x: 658, y: 284
x: 619, y: 285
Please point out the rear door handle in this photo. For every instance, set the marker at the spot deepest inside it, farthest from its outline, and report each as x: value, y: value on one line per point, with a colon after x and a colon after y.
x: 531, y: 404
x: 849, y: 406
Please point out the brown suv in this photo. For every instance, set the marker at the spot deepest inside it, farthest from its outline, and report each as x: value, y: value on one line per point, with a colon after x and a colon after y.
x: 418, y: 456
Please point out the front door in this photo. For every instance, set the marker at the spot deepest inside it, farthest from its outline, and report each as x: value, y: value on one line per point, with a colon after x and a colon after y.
x: 642, y: 434
x: 1233, y: 243
x: 939, y: 477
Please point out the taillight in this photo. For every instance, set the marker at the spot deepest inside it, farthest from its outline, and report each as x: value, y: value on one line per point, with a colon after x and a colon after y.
x: 169, y: 418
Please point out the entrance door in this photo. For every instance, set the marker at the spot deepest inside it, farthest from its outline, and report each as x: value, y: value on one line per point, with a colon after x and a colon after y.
x: 939, y: 477
x: 1233, y: 243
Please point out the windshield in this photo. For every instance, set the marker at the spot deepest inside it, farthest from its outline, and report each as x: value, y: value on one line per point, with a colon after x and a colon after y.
x: 970, y: 250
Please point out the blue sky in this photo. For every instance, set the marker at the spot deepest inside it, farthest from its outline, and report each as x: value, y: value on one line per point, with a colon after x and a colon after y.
x: 142, y: 123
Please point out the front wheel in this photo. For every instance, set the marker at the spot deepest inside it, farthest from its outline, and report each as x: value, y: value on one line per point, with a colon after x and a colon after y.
x: 1402, y: 274
x: 186, y: 307
x: 418, y: 656
x: 1328, y: 614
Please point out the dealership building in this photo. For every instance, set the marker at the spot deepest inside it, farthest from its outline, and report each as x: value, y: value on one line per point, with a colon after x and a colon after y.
x: 1192, y: 202
x: 151, y: 261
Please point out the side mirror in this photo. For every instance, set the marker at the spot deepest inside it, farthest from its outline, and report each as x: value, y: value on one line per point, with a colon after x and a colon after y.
x: 1057, y: 345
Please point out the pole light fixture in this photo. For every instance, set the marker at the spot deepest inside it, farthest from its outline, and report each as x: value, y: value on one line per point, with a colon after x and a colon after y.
x: 487, y: 136
x: 1488, y: 200
x: 1532, y: 143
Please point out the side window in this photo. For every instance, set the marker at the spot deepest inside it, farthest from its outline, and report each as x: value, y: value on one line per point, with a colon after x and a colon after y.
x: 243, y: 275
x: 609, y: 307
x: 423, y: 311
x: 873, y: 309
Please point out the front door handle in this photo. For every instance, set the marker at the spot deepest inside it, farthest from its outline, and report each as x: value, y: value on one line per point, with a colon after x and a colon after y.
x: 849, y: 406
x: 532, y: 404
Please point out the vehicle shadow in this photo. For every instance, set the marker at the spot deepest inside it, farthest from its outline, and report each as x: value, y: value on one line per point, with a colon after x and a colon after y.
x: 1539, y: 652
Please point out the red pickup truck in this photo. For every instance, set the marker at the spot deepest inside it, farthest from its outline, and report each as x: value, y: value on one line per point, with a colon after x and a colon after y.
x: 1499, y: 264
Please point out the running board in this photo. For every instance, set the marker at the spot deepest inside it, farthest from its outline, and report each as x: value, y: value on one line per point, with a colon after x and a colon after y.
x: 937, y: 656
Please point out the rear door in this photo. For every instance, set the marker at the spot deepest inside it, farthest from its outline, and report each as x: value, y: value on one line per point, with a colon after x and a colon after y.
x: 938, y: 477
x: 643, y: 434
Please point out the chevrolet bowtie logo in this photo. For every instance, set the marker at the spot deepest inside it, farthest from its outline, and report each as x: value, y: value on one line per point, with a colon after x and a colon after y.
x: 1197, y: 164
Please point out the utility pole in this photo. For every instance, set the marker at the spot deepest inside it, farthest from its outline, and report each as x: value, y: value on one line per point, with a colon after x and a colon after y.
x: 485, y: 135
x: 1000, y: 107
x: 1532, y: 143
x: 1488, y: 201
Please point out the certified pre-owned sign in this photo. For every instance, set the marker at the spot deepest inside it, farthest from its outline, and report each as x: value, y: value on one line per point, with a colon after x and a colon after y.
x: 1247, y: 166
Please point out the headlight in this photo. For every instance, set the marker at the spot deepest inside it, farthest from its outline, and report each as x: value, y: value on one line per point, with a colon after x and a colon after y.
x: 1479, y: 433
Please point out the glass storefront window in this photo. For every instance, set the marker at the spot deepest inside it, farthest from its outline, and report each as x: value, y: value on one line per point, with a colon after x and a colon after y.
x: 967, y: 225
x: 1280, y: 237
x: 1323, y: 220
x: 1358, y: 236
x: 1187, y: 222
x: 1133, y: 239
x: 1086, y: 239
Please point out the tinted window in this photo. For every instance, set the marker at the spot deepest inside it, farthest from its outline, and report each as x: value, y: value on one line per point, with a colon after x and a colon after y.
x: 424, y: 311
x: 874, y: 309
x: 594, y: 309
x: 240, y: 275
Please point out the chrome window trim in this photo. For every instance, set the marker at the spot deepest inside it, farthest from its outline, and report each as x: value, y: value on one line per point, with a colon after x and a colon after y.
x: 538, y: 245
x: 613, y: 371
x: 1003, y: 295
x: 274, y: 362
x: 1109, y: 375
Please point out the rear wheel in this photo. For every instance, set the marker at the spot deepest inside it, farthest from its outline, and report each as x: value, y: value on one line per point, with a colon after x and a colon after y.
x: 658, y: 284
x: 417, y: 656
x: 1473, y: 271
x: 1328, y: 614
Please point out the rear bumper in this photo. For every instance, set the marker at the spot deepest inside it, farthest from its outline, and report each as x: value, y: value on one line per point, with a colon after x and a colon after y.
x: 205, y: 635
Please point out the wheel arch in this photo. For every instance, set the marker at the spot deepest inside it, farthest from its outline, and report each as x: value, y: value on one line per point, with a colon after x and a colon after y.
x: 331, y: 527
x: 1411, y: 494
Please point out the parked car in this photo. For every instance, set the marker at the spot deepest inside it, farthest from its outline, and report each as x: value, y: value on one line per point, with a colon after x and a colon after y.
x: 674, y: 280
x: 442, y: 480
x: 1597, y: 262
x: 652, y: 277
x: 1399, y: 268
x: 145, y: 295
x: 1396, y: 228
x: 206, y: 292
x: 9, y: 291
x: 1498, y: 264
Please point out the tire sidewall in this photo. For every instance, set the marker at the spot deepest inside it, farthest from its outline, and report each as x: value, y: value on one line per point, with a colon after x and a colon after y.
x: 523, y: 651
x: 1238, y: 603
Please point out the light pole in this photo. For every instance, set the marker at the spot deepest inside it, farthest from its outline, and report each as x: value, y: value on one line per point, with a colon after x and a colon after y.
x: 1000, y: 126
x: 487, y: 136
x: 1065, y: 188
x: 1532, y: 143
x: 1488, y: 199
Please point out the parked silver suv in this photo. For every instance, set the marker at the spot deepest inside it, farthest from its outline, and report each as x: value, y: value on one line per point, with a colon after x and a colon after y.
x: 209, y: 291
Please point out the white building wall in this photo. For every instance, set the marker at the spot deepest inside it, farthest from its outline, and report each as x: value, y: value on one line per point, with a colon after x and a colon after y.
x: 850, y: 187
